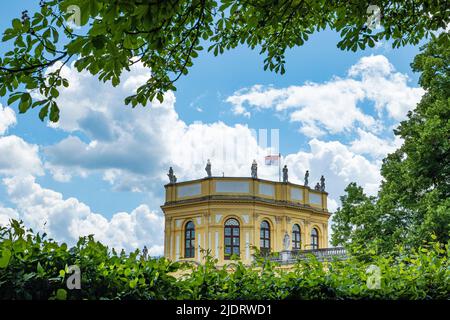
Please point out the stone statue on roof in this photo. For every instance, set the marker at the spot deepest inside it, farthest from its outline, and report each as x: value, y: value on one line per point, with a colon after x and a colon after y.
x: 322, y: 183
x: 285, y: 174
x: 172, y: 177
x: 254, y: 170
x: 306, y: 178
x: 208, y: 168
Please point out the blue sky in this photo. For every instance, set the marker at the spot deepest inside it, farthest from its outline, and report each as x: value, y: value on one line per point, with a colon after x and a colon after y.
x: 103, y: 169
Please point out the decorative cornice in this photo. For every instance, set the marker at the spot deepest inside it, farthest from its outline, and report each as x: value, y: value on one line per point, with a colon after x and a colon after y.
x: 243, y: 199
x: 180, y: 183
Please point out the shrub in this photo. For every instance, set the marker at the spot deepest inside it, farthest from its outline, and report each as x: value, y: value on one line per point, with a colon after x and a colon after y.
x: 34, y: 267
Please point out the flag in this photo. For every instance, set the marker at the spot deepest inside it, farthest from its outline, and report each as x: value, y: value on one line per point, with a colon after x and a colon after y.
x: 272, y: 160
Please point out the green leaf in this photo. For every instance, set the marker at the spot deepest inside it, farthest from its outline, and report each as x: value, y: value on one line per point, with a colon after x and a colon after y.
x: 13, y: 97
x: 25, y: 102
x: 160, y: 97
x: 61, y: 294
x: 54, y: 112
x: 17, y: 24
x: 39, y: 268
x: 43, y: 112
x: 5, y: 258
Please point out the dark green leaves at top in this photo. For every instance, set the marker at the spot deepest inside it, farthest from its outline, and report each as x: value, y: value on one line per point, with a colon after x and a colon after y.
x: 166, y: 36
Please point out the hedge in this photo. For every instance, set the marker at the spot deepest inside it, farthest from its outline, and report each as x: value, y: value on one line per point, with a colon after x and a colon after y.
x: 34, y: 267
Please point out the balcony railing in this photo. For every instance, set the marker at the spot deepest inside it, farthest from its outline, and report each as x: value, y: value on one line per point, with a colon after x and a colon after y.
x: 289, y: 257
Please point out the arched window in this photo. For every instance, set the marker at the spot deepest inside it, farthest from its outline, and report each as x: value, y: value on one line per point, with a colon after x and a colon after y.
x: 189, y: 240
x: 296, y: 237
x: 314, y: 239
x: 264, y: 238
x: 232, y: 238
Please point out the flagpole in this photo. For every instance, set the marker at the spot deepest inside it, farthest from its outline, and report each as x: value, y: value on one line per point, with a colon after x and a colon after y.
x: 279, y: 167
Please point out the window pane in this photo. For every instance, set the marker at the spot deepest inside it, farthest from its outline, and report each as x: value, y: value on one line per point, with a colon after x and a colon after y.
x: 235, y: 231
x: 267, y: 243
x: 235, y: 250
x: 227, y: 250
x: 227, y: 231
x: 261, y: 234
x: 232, y: 222
x: 236, y: 241
x: 261, y: 243
x: 227, y: 241
x: 267, y: 234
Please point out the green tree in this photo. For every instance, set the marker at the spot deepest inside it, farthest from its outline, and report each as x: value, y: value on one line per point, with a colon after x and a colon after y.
x: 357, y: 219
x: 167, y: 35
x: 414, y: 199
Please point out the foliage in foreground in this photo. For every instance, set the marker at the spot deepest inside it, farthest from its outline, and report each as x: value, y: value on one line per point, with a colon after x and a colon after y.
x: 33, y: 267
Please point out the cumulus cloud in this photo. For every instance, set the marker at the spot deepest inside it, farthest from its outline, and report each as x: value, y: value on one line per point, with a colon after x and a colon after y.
x: 7, y: 119
x: 333, y: 107
x: 18, y: 157
x: 6, y: 214
x: 46, y: 210
x: 370, y: 144
x: 133, y: 149
x: 337, y: 163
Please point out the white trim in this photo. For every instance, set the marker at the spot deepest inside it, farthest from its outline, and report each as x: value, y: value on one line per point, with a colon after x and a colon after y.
x: 247, y: 245
x: 177, y: 250
x: 199, y: 242
x: 217, y: 245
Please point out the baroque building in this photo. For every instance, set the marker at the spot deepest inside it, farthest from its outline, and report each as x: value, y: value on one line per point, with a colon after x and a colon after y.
x: 231, y: 215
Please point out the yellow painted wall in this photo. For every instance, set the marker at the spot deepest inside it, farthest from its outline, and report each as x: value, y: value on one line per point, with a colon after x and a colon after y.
x: 209, y: 210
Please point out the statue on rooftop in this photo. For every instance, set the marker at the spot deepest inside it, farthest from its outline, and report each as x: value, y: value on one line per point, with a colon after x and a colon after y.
x: 317, y: 187
x: 208, y: 168
x: 254, y: 170
x: 285, y: 174
x: 322, y: 183
x: 172, y: 177
x: 306, y: 178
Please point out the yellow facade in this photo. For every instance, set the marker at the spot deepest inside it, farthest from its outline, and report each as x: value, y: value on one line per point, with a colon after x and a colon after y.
x: 208, y: 203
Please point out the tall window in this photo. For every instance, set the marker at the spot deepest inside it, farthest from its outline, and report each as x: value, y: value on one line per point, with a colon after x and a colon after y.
x: 189, y: 240
x: 264, y: 238
x: 314, y: 239
x: 296, y: 237
x: 231, y: 238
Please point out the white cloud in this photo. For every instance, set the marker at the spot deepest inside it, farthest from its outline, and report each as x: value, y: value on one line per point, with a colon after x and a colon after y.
x: 332, y: 107
x: 337, y: 163
x: 370, y: 144
x: 45, y: 210
x: 7, y: 118
x: 387, y: 88
x: 6, y: 214
x: 18, y: 157
x: 133, y: 148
